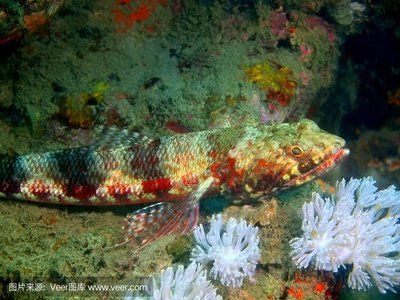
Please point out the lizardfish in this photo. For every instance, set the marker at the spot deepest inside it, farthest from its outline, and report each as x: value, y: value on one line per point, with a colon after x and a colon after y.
x: 174, y: 172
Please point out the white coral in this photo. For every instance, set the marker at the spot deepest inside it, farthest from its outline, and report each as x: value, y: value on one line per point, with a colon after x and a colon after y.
x: 358, y: 226
x: 234, y: 253
x: 184, y: 284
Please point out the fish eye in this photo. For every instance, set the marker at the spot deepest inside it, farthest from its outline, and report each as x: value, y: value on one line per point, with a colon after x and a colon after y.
x: 296, y: 151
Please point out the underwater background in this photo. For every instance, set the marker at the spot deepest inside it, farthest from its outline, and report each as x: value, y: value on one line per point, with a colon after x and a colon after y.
x: 69, y: 69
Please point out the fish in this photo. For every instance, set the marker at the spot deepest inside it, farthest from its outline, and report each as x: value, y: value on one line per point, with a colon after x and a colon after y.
x: 170, y: 174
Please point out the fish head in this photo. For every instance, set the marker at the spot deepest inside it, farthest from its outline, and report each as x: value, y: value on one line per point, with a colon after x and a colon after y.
x: 306, y: 152
x: 270, y: 158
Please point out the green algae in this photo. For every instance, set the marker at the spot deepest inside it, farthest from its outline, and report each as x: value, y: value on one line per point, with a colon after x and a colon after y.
x: 180, y: 249
x: 13, y: 18
x: 64, y: 245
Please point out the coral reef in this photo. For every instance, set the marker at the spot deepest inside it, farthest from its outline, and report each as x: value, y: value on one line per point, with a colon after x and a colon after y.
x: 156, y: 67
x: 16, y: 17
x: 169, y: 65
x: 358, y: 226
x: 234, y: 252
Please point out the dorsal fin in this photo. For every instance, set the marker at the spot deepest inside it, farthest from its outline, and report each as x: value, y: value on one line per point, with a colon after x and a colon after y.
x: 113, y: 137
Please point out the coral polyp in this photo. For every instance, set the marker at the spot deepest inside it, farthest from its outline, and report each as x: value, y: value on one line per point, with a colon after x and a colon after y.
x: 232, y: 249
x: 357, y: 226
x: 184, y: 283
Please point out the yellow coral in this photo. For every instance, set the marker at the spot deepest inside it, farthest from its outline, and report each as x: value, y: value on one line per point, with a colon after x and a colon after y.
x: 79, y: 111
x: 275, y: 80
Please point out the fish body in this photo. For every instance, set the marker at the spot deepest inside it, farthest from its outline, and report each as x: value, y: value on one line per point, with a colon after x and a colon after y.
x: 173, y: 172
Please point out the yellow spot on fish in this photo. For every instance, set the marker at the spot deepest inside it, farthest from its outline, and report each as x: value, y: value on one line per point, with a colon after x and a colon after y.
x: 294, y: 171
x: 316, y: 159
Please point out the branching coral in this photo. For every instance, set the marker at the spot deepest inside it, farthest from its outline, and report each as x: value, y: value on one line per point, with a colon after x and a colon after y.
x: 189, y: 283
x: 358, y: 226
x: 277, y: 81
x: 234, y: 252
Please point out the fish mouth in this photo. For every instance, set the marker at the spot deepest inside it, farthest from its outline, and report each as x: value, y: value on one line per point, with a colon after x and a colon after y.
x: 331, y: 161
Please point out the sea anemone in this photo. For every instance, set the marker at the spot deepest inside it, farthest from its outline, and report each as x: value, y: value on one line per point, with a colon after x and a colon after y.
x: 357, y: 226
x: 234, y: 253
x: 189, y: 283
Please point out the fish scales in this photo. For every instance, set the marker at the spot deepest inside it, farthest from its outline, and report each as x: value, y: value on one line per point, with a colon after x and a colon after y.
x: 173, y: 172
x: 92, y: 175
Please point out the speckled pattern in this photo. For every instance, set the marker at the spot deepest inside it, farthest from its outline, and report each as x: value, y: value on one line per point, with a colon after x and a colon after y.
x: 127, y: 168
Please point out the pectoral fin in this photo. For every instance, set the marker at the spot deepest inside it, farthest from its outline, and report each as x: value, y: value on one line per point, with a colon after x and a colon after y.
x: 152, y: 222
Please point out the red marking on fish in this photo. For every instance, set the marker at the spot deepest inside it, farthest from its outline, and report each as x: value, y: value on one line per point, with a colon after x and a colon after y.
x: 190, y: 179
x: 80, y: 192
x: 157, y: 185
x: 176, y: 127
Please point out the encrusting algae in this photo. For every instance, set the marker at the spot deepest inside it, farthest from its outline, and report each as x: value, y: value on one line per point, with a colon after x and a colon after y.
x: 277, y: 81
